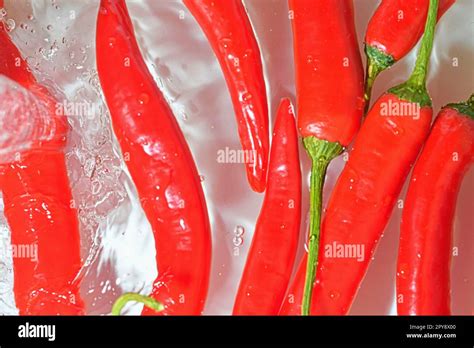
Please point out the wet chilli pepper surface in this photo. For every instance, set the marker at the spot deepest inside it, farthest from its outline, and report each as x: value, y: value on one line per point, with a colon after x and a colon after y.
x: 425, y: 249
x: 160, y: 163
x: 329, y: 84
x: 392, y: 32
x: 40, y: 214
x: 231, y: 36
x: 364, y: 195
x: 275, y: 241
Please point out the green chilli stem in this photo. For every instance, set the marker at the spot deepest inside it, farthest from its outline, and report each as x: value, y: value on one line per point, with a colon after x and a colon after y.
x: 377, y: 61
x: 465, y: 108
x: 128, y: 297
x: 414, y: 90
x: 322, y: 153
x: 420, y: 72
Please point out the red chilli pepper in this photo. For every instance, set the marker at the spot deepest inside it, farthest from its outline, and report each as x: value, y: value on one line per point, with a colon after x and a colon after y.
x: 273, y: 250
x: 424, y: 256
x: 160, y: 163
x: 38, y: 208
x: 393, y: 31
x: 230, y: 33
x: 329, y: 83
x: 365, y: 193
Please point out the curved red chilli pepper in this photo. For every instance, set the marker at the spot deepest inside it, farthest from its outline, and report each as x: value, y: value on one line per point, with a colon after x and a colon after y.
x: 38, y: 209
x: 364, y: 195
x: 228, y: 29
x: 160, y: 163
x: 424, y: 256
x: 329, y: 83
x: 273, y: 250
x: 392, y: 32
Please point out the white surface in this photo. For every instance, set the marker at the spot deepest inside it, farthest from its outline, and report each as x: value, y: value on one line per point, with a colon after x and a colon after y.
x: 117, y: 240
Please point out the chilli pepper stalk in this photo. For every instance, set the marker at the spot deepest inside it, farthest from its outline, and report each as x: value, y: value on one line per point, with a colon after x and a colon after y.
x: 39, y: 213
x: 149, y: 302
x: 231, y: 36
x: 392, y: 32
x: 326, y: 57
x: 424, y: 255
x: 160, y: 163
x: 365, y: 192
x: 273, y: 250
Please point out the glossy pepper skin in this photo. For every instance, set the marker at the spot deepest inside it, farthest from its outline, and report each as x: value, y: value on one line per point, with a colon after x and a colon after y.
x: 231, y: 36
x: 160, y: 163
x: 275, y: 242
x: 360, y: 205
x: 393, y: 31
x: 424, y: 255
x: 329, y: 84
x: 364, y: 195
x: 329, y: 73
x: 38, y: 208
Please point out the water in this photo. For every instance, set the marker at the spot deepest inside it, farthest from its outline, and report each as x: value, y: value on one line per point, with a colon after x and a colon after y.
x: 57, y: 37
x: 24, y: 120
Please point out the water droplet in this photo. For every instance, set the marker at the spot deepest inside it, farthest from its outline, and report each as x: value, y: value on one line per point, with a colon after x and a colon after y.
x: 49, y: 27
x: 143, y: 99
x: 394, y: 128
x: 31, y: 17
x: 333, y: 294
x: 246, y: 96
x: 202, y: 178
x: 112, y: 40
x: 248, y: 53
x: 402, y: 271
x: 10, y: 24
x: 96, y: 186
x: 225, y: 43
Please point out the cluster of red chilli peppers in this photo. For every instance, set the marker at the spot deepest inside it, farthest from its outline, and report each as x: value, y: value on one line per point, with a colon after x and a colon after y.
x: 333, y: 111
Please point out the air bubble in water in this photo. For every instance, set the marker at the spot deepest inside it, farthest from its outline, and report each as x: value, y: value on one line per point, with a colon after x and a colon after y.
x: 10, y: 24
